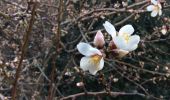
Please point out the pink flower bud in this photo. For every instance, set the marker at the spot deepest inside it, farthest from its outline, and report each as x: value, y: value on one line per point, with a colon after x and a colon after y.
x: 99, y: 40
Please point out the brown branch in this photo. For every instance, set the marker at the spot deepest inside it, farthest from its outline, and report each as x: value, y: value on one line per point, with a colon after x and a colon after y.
x: 102, y: 93
x: 83, y: 16
x: 137, y: 4
x: 57, y: 43
x: 116, y: 67
x: 23, y: 51
x: 139, y: 68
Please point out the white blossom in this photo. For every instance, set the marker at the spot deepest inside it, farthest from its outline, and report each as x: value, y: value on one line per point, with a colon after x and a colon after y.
x: 93, y: 60
x: 155, y: 8
x: 124, y: 40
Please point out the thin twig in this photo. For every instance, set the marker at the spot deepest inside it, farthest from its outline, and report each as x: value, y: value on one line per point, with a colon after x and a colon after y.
x: 113, y: 94
x: 57, y: 43
x: 24, y: 49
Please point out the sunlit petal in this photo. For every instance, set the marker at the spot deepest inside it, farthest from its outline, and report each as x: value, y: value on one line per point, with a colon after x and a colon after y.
x: 154, y: 13
x: 87, y: 49
x: 154, y: 2
x: 119, y: 42
x: 110, y: 28
x: 127, y: 29
x: 150, y: 8
x: 95, y: 66
x: 131, y: 47
x: 99, y: 39
x: 84, y: 63
x: 134, y: 40
x: 87, y: 63
x: 160, y: 12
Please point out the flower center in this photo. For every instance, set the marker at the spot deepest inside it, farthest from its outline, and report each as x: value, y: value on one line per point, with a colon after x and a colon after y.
x: 156, y: 8
x: 96, y: 58
x: 126, y: 37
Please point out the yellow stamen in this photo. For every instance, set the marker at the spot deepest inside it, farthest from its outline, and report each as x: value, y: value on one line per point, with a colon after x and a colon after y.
x: 126, y: 37
x: 95, y: 60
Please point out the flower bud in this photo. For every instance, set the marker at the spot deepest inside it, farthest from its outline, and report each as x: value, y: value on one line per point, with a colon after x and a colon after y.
x: 99, y: 40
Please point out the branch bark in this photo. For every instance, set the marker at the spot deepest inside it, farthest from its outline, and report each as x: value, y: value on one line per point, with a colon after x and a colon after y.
x: 23, y: 50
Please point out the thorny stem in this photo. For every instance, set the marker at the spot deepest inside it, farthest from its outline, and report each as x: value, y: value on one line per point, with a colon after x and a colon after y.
x: 23, y: 51
x: 57, y: 43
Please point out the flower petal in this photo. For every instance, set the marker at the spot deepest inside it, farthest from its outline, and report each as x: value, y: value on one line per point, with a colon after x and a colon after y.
x: 164, y: 30
x: 119, y: 42
x: 87, y: 63
x: 95, y: 66
x: 134, y: 40
x: 92, y: 71
x: 160, y: 6
x: 154, y: 2
x: 101, y: 65
x: 110, y: 28
x: 120, y: 53
x: 99, y: 39
x: 133, y: 43
x: 131, y: 47
x: 128, y: 29
x: 87, y: 49
x: 154, y: 13
x: 84, y: 63
x: 160, y: 12
x: 150, y: 8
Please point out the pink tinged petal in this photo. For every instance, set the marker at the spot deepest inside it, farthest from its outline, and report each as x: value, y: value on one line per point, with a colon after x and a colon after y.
x: 110, y: 28
x: 127, y: 29
x: 121, y: 53
x: 150, y: 8
x: 119, y: 42
x: 154, y: 13
x: 99, y: 39
x: 87, y: 49
x: 154, y: 2
x: 160, y: 12
x: 84, y: 63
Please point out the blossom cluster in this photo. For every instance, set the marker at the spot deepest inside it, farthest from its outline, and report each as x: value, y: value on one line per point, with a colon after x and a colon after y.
x: 122, y: 42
